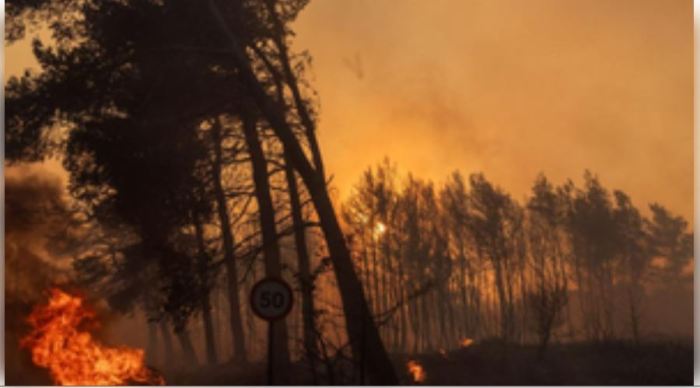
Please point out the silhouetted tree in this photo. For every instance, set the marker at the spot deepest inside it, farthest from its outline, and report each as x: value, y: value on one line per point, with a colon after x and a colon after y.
x: 547, y: 294
x: 593, y: 235
x: 670, y: 241
x: 493, y: 220
x: 363, y: 334
x: 453, y: 200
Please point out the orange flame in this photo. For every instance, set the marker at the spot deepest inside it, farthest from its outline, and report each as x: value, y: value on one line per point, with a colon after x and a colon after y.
x: 416, y: 371
x: 73, y: 357
x: 466, y: 342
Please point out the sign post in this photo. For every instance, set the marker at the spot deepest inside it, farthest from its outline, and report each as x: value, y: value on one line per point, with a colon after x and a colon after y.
x: 271, y: 299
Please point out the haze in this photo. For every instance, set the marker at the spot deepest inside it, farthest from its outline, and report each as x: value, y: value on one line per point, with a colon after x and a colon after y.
x: 510, y: 88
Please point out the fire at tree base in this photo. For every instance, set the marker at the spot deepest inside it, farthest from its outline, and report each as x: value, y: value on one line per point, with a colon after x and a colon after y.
x: 74, y: 357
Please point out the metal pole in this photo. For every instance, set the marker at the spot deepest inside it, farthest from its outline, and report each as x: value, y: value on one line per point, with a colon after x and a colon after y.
x: 270, y: 351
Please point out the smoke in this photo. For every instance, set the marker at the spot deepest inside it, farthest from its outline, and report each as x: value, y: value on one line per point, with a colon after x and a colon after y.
x: 510, y: 88
x: 41, y: 239
x: 36, y: 216
x: 37, y: 220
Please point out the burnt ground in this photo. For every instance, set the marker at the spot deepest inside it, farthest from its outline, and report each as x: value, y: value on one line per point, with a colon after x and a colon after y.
x: 662, y: 363
x: 658, y: 363
x: 619, y: 363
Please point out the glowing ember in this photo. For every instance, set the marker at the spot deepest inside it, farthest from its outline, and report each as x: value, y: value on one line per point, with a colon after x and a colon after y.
x: 466, y: 342
x: 443, y: 353
x: 73, y: 357
x: 416, y: 371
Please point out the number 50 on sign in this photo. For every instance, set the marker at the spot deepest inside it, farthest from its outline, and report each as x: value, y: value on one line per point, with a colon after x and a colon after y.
x: 271, y: 299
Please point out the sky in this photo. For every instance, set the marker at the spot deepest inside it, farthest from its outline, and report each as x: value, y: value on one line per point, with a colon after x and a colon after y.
x: 508, y: 87
x: 511, y: 88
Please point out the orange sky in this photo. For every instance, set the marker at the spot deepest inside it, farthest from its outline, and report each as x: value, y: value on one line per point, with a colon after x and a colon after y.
x: 507, y: 87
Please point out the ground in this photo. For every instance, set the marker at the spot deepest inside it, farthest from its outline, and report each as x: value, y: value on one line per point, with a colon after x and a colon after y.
x: 618, y: 363
x: 661, y: 363
x: 658, y: 363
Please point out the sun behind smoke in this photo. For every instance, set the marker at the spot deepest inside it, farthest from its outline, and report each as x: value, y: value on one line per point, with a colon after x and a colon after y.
x: 73, y: 357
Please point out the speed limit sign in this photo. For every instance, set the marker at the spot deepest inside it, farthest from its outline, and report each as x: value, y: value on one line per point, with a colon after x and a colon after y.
x: 271, y: 299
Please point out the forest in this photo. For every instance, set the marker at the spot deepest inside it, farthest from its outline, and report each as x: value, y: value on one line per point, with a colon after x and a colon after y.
x: 188, y: 131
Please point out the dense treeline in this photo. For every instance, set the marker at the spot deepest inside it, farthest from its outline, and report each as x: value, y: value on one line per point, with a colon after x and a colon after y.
x: 446, y: 265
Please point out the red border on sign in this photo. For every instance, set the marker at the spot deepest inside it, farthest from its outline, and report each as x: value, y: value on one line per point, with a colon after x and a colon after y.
x: 284, y: 284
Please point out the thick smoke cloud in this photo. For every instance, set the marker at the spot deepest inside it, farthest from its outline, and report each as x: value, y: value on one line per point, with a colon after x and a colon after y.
x: 37, y: 218
x: 510, y: 88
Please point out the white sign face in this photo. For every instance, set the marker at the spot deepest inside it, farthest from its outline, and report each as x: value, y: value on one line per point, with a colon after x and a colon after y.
x: 271, y: 299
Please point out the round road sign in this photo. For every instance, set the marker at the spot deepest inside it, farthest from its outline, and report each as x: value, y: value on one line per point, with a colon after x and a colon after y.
x: 271, y: 299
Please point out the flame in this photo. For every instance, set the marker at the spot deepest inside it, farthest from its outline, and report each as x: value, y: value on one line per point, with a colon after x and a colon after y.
x: 416, y: 371
x: 73, y: 357
x: 466, y: 342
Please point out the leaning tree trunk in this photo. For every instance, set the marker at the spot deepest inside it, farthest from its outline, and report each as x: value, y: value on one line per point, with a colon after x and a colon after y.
x: 362, y: 331
x: 235, y: 322
x: 306, y: 283
x: 271, y: 248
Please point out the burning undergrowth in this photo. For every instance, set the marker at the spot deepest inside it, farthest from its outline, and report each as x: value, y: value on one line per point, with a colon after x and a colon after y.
x: 60, y: 341
x: 416, y: 371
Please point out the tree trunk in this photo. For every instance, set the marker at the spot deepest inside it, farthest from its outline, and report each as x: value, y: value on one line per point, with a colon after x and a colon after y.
x: 464, y: 325
x: 299, y: 104
x: 357, y: 315
x: 305, y: 281
x: 475, y: 305
x: 209, y: 342
x: 403, y: 319
x: 183, y: 336
x: 413, y: 310
x: 167, y: 344
x: 271, y: 249
x: 236, y: 323
x: 384, y: 260
x: 369, y: 274
x: 446, y: 301
x: 542, y: 348
x: 152, y: 349
x: 358, y: 319
x: 375, y: 300
x: 502, y: 302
